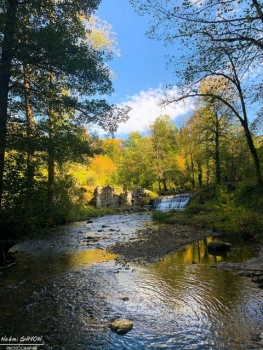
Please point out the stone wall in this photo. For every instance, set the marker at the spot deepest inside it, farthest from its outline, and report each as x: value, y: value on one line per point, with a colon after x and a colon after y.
x: 139, y: 196
x: 106, y: 197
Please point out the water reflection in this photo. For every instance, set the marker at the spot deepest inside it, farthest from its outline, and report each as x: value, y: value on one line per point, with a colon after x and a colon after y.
x: 217, y: 305
x: 91, y: 256
x: 198, y: 253
x: 69, y: 295
x: 29, y: 267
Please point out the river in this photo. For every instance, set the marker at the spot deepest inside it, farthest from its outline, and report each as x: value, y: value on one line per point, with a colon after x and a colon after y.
x: 65, y: 289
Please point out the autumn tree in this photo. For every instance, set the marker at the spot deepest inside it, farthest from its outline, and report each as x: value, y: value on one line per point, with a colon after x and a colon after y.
x: 136, y: 168
x: 214, y: 118
x: 236, y: 23
x: 163, y: 135
x: 113, y: 148
x: 220, y: 39
x: 53, y: 43
x: 234, y: 97
x: 212, y: 146
x: 188, y: 157
x: 52, y: 71
x: 101, y: 169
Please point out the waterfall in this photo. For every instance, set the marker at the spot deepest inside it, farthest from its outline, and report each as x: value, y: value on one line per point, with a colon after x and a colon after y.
x: 176, y: 202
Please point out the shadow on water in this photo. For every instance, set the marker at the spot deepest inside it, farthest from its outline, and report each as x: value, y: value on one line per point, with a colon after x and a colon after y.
x: 70, y: 295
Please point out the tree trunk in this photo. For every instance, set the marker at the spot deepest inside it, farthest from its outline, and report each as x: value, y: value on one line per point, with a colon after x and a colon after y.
x: 192, y: 171
x: 164, y: 184
x: 217, y: 152
x: 5, y: 74
x: 51, y: 156
x: 200, y: 174
x: 51, y: 183
x: 207, y: 172
x: 29, y: 126
x: 253, y: 152
x: 159, y: 184
x: 244, y: 123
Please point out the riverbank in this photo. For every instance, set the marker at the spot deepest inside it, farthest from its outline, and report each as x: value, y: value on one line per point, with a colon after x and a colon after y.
x: 151, y: 244
x: 252, y: 268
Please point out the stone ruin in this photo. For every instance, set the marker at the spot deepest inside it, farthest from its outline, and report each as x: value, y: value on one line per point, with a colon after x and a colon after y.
x: 107, y: 197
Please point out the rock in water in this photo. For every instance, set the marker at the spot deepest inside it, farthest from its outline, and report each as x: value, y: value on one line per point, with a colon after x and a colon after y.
x: 218, y: 246
x: 121, y: 326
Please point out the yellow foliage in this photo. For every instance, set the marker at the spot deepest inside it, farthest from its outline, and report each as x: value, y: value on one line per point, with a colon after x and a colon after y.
x: 113, y: 148
x: 215, y: 85
x: 100, y: 34
x: 79, y: 171
x: 180, y: 160
x: 103, y: 167
x: 102, y: 164
x: 113, y: 144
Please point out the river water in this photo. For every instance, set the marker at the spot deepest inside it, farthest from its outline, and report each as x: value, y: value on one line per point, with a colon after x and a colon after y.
x: 66, y: 289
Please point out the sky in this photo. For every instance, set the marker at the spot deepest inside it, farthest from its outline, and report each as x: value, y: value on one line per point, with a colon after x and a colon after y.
x: 140, y: 74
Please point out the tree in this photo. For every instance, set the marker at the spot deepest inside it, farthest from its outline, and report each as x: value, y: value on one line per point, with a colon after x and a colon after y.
x: 214, y: 118
x: 9, y: 23
x: 219, y: 42
x: 113, y: 148
x: 236, y: 23
x: 136, y: 168
x: 164, y: 140
x: 67, y: 61
x: 103, y: 168
x: 193, y: 154
x: 235, y: 97
x: 53, y: 71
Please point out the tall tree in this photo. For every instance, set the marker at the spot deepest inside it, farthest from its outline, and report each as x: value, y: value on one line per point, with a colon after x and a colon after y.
x: 163, y: 136
x: 221, y: 39
x: 236, y: 23
x: 56, y: 37
x: 235, y: 97
x: 214, y: 117
x: 8, y: 28
x: 136, y: 164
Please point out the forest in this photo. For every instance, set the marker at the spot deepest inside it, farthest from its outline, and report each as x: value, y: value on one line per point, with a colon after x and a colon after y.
x: 54, y: 77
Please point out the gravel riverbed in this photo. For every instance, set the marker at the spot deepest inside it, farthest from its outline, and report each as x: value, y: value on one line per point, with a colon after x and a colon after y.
x: 152, y: 243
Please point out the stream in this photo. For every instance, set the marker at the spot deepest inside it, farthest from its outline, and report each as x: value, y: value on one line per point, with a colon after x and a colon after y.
x: 64, y: 289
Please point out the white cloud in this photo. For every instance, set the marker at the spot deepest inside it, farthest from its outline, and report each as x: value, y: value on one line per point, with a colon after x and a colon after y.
x: 145, y: 110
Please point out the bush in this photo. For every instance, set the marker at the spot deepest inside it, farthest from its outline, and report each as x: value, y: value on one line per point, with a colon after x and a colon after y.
x: 161, y: 216
x: 240, y: 212
x: 250, y: 197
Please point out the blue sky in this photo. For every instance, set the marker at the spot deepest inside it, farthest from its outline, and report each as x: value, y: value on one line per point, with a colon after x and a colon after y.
x: 141, y: 74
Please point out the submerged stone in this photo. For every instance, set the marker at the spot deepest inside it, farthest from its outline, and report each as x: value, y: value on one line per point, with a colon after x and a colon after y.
x: 215, y: 246
x: 121, y: 326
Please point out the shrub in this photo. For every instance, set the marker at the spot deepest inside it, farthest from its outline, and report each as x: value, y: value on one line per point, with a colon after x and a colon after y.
x: 161, y: 216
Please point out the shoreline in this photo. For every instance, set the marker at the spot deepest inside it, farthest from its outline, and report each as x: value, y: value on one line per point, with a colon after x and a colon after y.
x: 151, y: 244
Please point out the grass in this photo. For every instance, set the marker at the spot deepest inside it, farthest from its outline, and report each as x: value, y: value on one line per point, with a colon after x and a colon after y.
x: 88, y: 211
x: 237, y: 212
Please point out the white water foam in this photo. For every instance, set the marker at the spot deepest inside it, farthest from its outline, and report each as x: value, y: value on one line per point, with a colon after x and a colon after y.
x: 176, y: 202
